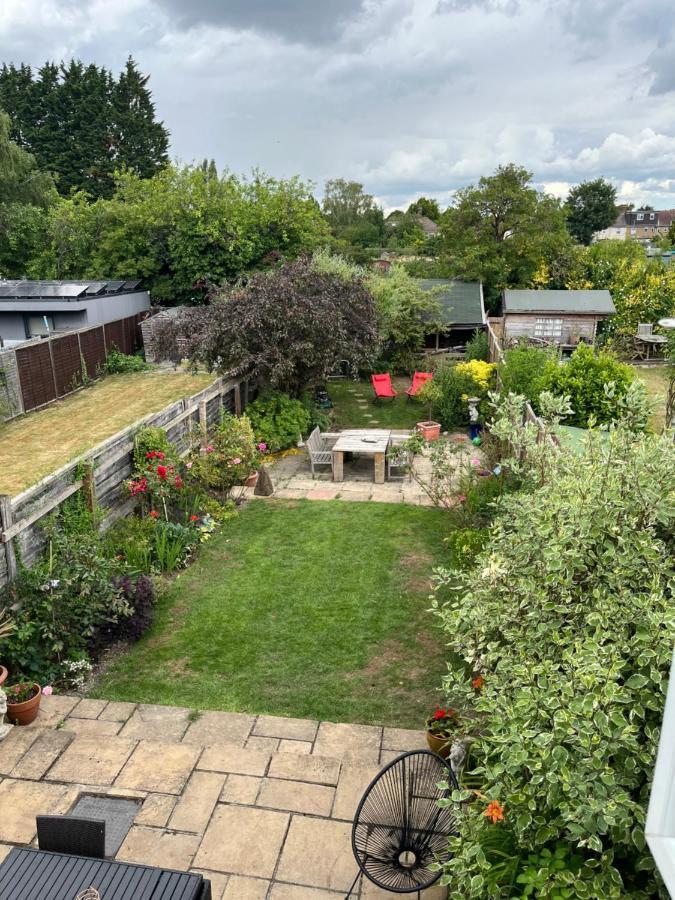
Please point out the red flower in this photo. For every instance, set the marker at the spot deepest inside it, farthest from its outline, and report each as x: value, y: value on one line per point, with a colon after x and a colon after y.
x: 478, y: 682
x: 138, y: 487
x: 159, y: 454
x: 161, y: 471
x: 178, y: 481
x: 439, y: 714
x: 194, y: 518
x: 153, y: 513
x: 494, y: 811
x: 150, y: 454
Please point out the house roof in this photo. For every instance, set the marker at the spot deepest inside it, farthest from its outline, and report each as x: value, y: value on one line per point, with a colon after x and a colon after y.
x: 592, y: 302
x: 460, y: 301
x: 427, y: 225
x: 63, y: 290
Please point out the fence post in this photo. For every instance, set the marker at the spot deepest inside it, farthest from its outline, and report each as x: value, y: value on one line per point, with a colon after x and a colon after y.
x: 51, y: 360
x: 89, y: 486
x: 237, y: 399
x: 6, y: 521
x: 203, y: 424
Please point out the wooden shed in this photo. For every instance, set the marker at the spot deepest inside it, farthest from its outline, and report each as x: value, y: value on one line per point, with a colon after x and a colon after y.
x: 563, y: 318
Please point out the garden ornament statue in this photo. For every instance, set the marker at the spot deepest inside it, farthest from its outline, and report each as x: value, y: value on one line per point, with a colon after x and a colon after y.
x: 473, y: 416
x: 4, y: 728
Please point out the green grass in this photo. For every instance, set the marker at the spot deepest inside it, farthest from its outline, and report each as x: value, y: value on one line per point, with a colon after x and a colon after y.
x: 397, y: 413
x: 656, y: 379
x: 310, y: 609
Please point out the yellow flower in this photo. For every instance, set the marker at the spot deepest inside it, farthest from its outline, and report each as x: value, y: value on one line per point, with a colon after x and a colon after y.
x: 480, y: 371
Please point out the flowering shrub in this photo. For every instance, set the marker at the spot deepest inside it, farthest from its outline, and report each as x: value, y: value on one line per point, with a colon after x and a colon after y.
x: 454, y: 384
x: 277, y: 420
x: 569, y: 619
x: 160, y: 482
x: 479, y: 370
x: 228, y: 459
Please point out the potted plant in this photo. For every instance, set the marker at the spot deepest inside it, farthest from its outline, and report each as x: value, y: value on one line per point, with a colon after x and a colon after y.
x: 23, y: 702
x: 429, y: 393
x: 6, y: 627
x: 442, y: 727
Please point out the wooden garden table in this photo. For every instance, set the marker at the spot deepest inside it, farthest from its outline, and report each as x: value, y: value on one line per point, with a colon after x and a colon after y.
x: 366, y: 441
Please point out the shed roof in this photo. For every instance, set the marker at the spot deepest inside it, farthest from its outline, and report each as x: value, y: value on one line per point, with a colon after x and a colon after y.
x: 584, y: 302
x: 460, y: 301
x: 63, y: 290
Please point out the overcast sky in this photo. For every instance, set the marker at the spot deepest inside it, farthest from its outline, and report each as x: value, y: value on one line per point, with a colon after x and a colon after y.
x: 409, y: 97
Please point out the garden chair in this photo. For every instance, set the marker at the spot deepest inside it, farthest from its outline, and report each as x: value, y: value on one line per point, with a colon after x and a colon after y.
x: 419, y: 378
x: 399, y: 829
x: 320, y: 453
x: 67, y: 834
x: 384, y: 390
x: 645, y: 329
x: 398, y: 457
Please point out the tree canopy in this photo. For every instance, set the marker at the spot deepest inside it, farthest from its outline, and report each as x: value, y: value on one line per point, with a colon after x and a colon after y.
x: 81, y: 124
x: 288, y: 327
x: 424, y: 206
x: 500, y: 231
x: 590, y: 207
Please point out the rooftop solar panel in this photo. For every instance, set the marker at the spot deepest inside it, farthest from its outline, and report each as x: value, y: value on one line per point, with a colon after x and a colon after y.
x: 96, y: 287
x: 131, y: 285
x: 114, y: 285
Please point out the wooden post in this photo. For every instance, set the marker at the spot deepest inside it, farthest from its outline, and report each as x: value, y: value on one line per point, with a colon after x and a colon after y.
x: 237, y: 399
x: 6, y: 521
x: 89, y: 486
x: 203, y: 424
x: 379, y: 468
x: 338, y: 465
x: 51, y: 362
x: 244, y: 402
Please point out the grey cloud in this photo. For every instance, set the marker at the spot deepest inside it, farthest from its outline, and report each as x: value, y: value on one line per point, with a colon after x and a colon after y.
x: 312, y: 21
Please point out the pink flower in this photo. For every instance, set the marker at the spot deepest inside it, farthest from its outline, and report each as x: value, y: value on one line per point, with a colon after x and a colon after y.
x: 208, y: 449
x: 462, y: 498
x: 262, y: 446
x: 475, y: 461
x: 236, y: 461
x: 188, y: 465
x: 48, y: 690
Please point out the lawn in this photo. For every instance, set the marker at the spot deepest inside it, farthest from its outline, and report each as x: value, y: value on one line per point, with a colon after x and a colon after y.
x: 656, y: 379
x: 36, y: 444
x: 349, y: 413
x: 300, y: 608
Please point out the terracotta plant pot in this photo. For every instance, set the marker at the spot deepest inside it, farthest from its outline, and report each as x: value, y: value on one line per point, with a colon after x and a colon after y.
x: 430, y: 431
x: 26, y: 712
x: 252, y: 480
x: 3, y: 675
x: 439, y: 744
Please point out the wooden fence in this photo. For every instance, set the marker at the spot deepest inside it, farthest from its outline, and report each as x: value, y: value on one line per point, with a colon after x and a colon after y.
x: 38, y: 372
x: 102, y: 471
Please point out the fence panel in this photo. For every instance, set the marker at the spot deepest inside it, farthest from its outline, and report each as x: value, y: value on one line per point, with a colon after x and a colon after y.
x: 67, y: 364
x: 36, y: 375
x: 92, y: 346
x: 114, y: 336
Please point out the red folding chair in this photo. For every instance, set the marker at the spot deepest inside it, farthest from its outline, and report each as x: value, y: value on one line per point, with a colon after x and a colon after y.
x: 383, y: 387
x: 419, y: 378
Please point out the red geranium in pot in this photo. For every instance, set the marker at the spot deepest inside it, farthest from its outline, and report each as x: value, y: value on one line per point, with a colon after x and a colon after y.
x: 23, y: 702
x: 441, y: 729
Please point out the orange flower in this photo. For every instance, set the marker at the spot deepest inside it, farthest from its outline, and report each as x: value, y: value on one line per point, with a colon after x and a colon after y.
x: 478, y: 682
x: 494, y: 811
x: 153, y: 513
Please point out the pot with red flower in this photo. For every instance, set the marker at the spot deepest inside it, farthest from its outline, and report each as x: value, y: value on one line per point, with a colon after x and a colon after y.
x: 23, y: 702
x: 442, y: 727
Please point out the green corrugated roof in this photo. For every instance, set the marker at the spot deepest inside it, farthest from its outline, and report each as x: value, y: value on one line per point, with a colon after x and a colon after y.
x: 559, y: 301
x: 459, y: 300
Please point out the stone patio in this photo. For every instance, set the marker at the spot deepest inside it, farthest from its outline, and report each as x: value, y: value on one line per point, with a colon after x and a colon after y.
x: 261, y: 805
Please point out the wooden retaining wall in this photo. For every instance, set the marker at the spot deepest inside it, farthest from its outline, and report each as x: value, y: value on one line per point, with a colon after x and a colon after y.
x: 44, y: 370
x: 105, y: 468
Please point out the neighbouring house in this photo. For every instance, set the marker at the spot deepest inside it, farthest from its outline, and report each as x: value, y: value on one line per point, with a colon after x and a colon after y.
x: 34, y: 309
x: 462, y: 311
x: 428, y: 226
x: 564, y: 318
x: 641, y: 225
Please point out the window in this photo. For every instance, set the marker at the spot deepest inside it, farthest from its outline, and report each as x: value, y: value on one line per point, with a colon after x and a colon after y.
x: 548, y: 328
x: 39, y: 326
x: 640, y: 216
x: 651, y: 216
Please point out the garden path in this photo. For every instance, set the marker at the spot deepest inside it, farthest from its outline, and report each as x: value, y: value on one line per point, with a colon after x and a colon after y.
x: 261, y: 805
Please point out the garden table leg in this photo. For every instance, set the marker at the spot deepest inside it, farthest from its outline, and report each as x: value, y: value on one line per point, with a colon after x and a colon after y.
x: 379, y: 468
x: 338, y: 467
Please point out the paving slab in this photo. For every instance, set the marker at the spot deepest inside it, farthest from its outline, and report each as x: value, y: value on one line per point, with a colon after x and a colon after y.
x: 241, y: 840
x: 158, y: 768
x: 350, y: 789
x: 21, y: 801
x: 218, y: 882
x: 296, y: 796
x: 19, y: 740
x: 88, y: 760
x: 371, y: 892
x: 269, y: 744
x: 318, y: 853
x: 403, y: 739
x: 303, y: 747
x: 92, y: 727
x: 155, y: 847
x: 298, y: 892
x: 197, y: 802
x: 150, y: 722
x: 298, y: 767
x: 4, y: 850
x: 241, y: 888
x: 55, y: 708
x: 117, y: 711
x: 235, y: 760
x: 357, y: 743
x: 44, y: 751
x: 89, y: 709
x: 241, y: 789
x: 328, y: 493
x: 156, y: 810
x: 219, y: 728
x: 280, y: 727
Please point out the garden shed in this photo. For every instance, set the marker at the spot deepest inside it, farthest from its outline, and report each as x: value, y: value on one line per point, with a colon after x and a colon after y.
x: 462, y: 311
x: 563, y: 318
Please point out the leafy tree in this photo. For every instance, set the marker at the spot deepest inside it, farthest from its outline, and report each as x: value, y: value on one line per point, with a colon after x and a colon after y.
x: 288, y: 327
x: 354, y: 217
x: 501, y: 230
x: 81, y: 124
x: 403, y: 230
x: 590, y: 207
x: 423, y: 206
